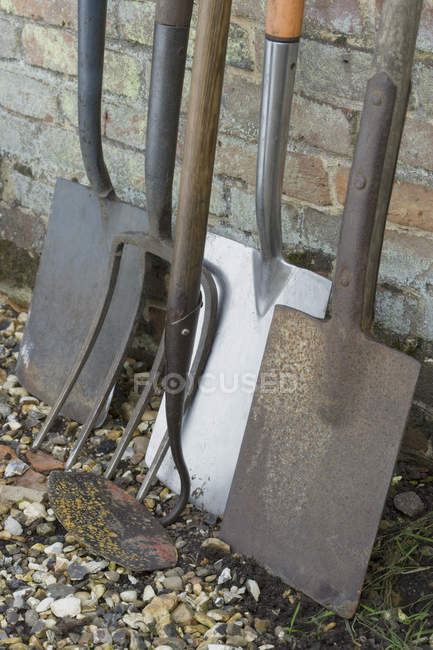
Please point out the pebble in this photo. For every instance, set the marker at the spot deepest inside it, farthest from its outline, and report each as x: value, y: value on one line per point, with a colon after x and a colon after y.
x: 224, y: 576
x: 15, y: 467
x: 45, y: 604
x: 253, y: 588
x: 55, y: 594
x: 69, y: 606
x: 173, y: 583
x: 129, y: 596
x: 148, y: 594
x: 216, y: 544
x: 34, y: 511
x: 13, y: 526
x: 409, y: 503
x: 77, y: 571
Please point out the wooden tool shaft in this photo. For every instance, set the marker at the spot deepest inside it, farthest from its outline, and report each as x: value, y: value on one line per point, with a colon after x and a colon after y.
x: 199, y: 154
x: 284, y: 19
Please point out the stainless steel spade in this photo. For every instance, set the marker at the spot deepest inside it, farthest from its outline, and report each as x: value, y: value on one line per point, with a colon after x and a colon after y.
x: 249, y: 284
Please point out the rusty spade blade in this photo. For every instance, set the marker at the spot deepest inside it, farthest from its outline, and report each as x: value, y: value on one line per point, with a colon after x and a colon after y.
x: 328, y: 414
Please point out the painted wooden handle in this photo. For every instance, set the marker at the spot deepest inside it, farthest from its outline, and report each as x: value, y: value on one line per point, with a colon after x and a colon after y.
x: 284, y: 19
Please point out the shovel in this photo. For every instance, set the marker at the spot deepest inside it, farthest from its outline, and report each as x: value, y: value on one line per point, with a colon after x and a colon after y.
x: 102, y: 516
x: 331, y: 403
x: 249, y: 283
x: 72, y: 273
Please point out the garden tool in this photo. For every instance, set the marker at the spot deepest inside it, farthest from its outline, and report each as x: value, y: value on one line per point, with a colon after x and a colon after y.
x: 103, y: 517
x: 325, y: 427
x: 250, y: 283
x: 72, y: 271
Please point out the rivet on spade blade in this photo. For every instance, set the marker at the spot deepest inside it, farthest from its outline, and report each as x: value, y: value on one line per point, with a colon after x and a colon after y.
x: 377, y: 99
x: 185, y: 332
x: 360, y: 182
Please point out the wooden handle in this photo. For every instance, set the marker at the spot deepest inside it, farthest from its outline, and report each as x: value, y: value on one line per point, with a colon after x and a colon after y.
x: 198, y: 158
x: 284, y: 19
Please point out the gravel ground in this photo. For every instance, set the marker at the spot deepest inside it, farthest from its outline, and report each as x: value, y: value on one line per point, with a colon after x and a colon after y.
x: 54, y: 594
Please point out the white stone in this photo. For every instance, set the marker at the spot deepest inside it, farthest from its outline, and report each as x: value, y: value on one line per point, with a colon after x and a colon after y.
x: 129, y: 596
x: 98, y: 590
x: 55, y: 548
x: 34, y: 511
x: 224, y: 576
x: 69, y: 606
x: 15, y: 467
x: 253, y: 588
x: 12, y: 526
x: 148, y: 594
x: 45, y: 604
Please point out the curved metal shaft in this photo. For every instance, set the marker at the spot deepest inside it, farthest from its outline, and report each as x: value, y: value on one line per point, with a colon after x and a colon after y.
x: 91, y: 42
x: 278, y: 82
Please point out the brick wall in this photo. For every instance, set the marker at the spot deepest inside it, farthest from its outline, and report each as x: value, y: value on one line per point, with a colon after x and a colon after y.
x: 38, y: 141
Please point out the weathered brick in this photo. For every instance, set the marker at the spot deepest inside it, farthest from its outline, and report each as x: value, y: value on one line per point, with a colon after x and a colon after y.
x: 122, y: 74
x: 243, y: 217
x: 58, y: 152
x: 8, y: 39
x: 50, y: 48
x: 322, y: 125
x: 423, y: 87
x: 320, y: 231
x: 136, y: 21
x: 243, y: 210
x: 32, y: 194
x: 417, y: 144
x: 247, y: 9
x: 55, y: 12
x: 126, y: 170
x: 411, y: 205
x: 329, y: 72
x: 27, y: 96
x: 238, y: 48
x: 240, y: 118
x: 395, y: 311
x: 235, y: 159
x: 305, y: 177
x: 119, y: 122
x: 342, y: 16
x: 18, y: 136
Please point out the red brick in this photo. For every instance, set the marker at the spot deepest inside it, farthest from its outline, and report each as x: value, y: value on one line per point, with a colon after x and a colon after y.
x: 305, y: 177
x: 336, y: 15
x: 124, y: 124
x: 55, y: 12
x: 417, y: 144
x: 50, y: 48
x: 411, y: 205
x: 322, y: 125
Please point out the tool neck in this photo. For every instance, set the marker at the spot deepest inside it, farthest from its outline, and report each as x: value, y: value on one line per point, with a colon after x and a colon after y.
x: 168, y: 68
x: 361, y: 202
x: 278, y: 82
x: 92, y: 16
